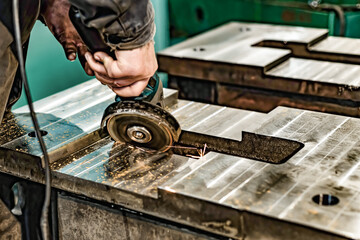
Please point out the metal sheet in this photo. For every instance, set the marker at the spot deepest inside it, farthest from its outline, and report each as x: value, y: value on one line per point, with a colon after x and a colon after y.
x: 233, y: 43
x: 286, y: 191
x: 65, y: 116
x: 339, y: 45
x: 341, y: 74
x: 288, y: 66
x: 216, y: 188
x: 227, y: 44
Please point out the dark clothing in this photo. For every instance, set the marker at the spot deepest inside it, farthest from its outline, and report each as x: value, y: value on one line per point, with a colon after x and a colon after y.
x: 26, y: 24
x: 123, y: 24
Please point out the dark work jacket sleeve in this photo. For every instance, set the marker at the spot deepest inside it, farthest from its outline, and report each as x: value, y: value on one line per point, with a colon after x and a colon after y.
x: 123, y: 24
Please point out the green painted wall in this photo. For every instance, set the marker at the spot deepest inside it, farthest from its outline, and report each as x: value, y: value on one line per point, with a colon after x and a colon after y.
x: 50, y: 72
x: 162, y: 37
x: 47, y: 68
x: 191, y: 17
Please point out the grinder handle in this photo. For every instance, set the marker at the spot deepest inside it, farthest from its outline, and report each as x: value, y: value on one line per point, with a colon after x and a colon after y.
x: 90, y: 36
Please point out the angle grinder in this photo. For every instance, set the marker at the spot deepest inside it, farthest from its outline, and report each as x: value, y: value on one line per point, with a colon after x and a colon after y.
x: 141, y: 120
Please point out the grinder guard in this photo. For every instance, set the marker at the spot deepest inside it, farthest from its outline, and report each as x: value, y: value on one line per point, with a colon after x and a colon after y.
x: 141, y: 120
x: 142, y: 124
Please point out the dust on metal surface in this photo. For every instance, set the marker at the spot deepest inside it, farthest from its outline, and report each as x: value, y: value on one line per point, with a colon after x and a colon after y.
x: 329, y: 163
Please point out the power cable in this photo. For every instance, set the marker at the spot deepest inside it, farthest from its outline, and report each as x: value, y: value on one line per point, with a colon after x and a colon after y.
x: 44, y: 221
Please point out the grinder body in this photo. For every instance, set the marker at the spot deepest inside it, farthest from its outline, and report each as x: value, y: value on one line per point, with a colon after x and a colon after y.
x: 90, y: 36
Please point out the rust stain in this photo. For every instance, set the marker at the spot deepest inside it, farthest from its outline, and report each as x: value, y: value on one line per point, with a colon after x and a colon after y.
x: 288, y: 16
x: 293, y: 16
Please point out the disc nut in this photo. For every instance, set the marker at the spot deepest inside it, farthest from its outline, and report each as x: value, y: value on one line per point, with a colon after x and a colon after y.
x: 139, y: 134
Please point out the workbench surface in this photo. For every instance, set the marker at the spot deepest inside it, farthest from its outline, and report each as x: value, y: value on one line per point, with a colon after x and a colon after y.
x: 216, y: 192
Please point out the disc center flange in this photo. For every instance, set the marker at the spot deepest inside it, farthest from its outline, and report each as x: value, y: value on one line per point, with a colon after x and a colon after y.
x: 139, y: 134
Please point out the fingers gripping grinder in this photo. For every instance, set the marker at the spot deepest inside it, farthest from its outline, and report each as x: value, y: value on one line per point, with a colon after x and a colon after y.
x: 140, y: 120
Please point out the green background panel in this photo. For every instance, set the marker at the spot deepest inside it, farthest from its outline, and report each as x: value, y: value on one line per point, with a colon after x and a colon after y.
x: 190, y: 17
x: 47, y: 68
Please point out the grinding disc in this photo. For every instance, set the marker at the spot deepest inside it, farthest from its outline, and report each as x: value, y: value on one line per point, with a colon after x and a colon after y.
x: 141, y: 124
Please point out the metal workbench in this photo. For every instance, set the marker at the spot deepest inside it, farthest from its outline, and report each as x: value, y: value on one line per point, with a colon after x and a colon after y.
x: 261, y: 66
x: 182, y: 197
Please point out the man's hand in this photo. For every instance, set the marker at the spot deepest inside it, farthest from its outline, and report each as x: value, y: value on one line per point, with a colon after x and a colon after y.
x: 56, y: 17
x: 129, y: 74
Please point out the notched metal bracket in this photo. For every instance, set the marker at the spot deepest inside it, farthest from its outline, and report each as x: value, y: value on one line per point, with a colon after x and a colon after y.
x: 253, y: 146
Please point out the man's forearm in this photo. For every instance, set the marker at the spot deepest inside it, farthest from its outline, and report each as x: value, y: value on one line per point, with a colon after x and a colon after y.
x: 123, y: 24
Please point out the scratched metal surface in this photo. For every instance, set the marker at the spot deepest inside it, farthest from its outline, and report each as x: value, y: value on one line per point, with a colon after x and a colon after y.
x: 318, y: 71
x: 228, y: 44
x: 144, y: 178
x: 232, y: 43
x: 338, y: 45
x: 65, y: 116
x: 329, y: 162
